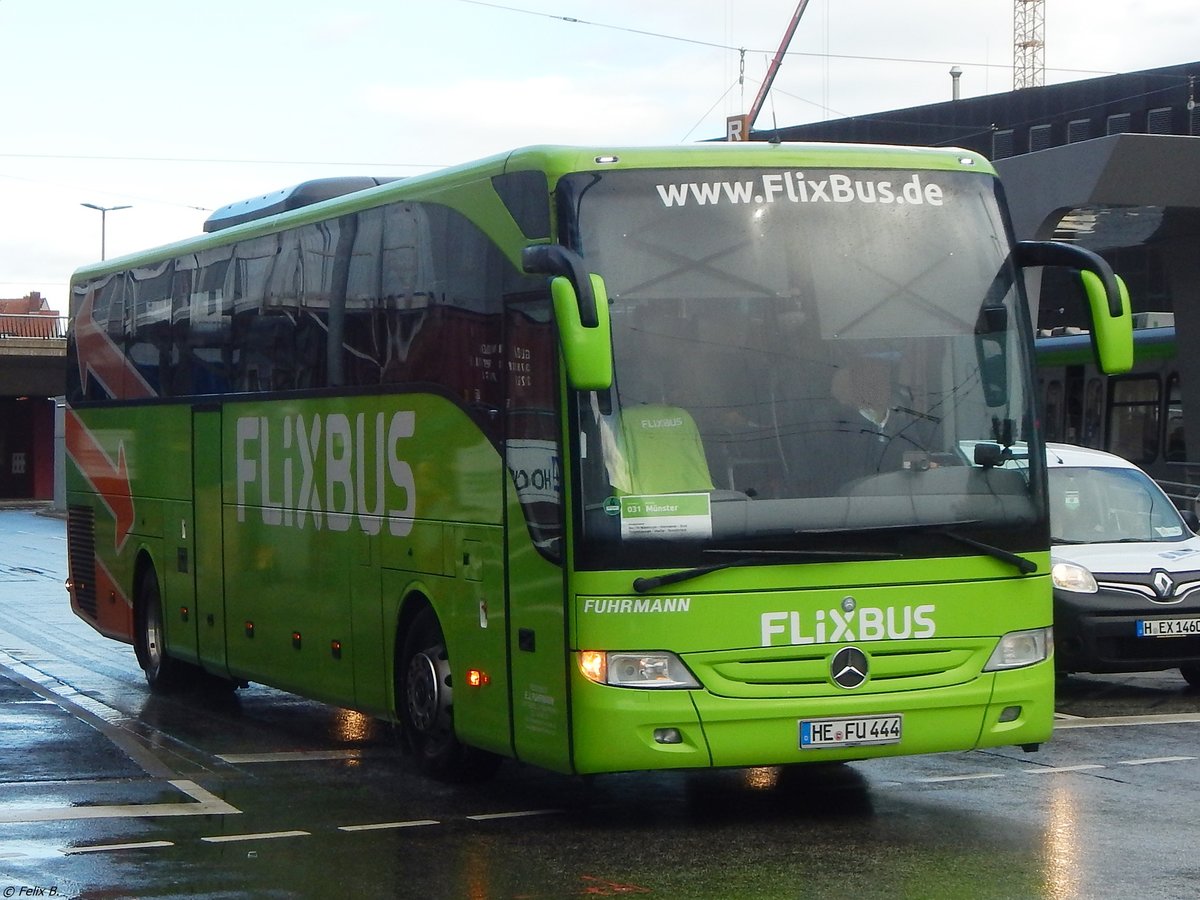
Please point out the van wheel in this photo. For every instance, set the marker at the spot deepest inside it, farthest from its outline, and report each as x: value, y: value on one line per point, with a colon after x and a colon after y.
x: 425, y: 697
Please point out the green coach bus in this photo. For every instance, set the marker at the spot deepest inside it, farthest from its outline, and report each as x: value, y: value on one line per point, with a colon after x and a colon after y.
x: 598, y: 459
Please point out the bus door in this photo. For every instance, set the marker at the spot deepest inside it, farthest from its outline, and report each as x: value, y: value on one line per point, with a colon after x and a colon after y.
x: 537, y: 640
x: 208, y: 540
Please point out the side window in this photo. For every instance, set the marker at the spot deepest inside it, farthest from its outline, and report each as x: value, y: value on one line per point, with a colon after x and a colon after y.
x: 423, y: 307
x: 149, y: 349
x: 1176, y: 441
x: 203, y: 315
x: 98, y: 331
x: 533, y: 446
x: 283, y: 288
x: 1133, y: 419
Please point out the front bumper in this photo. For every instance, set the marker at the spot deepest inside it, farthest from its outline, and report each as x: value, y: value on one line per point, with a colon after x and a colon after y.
x: 614, y: 728
x: 1098, y: 633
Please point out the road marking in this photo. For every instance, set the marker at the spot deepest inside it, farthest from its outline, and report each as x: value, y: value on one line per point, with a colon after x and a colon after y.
x: 380, y: 826
x: 261, y: 836
x: 105, y: 719
x: 1117, y: 721
x: 939, y: 778
x: 291, y: 756
x: 1150, y: 762
x: 105, y: 848
x: 514, y: 815
x: 1049, y: 769
x: 207, y: 805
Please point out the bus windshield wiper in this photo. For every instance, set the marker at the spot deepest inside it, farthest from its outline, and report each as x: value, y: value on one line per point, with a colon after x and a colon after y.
x: 747, y: 558
x: 1024, y: 566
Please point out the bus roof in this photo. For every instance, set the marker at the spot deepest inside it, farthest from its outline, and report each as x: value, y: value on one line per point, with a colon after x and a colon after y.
x: 275, y: 211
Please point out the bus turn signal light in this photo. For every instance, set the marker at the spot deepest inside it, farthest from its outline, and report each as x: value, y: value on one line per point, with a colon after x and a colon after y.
x: 478, y: 678
x: 594, y: 665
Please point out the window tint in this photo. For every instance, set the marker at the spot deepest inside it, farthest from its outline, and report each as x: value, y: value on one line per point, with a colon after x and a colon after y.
x: 409, y: 294
x: 149, y: 346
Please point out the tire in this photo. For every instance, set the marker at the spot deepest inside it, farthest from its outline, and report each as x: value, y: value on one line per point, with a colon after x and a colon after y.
x: 425, y: 698
x: 163, y: 673
x: 1191, y: 674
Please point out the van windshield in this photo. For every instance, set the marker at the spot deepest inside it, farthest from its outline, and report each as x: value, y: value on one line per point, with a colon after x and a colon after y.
x: 1106, y: 505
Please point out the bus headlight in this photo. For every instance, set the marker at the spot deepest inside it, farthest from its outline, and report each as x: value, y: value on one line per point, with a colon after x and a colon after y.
x: 1070, y: 577
x: 1021, y: 648
x: 652, y: 669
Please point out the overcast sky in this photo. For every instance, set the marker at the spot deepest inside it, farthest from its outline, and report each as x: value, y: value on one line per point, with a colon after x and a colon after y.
x: 177, y: 108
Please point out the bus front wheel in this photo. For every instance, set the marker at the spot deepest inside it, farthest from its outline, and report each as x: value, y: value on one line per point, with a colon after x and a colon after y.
x: 425, y: 697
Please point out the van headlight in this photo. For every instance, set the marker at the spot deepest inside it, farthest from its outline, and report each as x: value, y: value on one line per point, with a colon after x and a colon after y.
x: 652, y: 669
x: 1070, y: 577
x: 1021, y: 648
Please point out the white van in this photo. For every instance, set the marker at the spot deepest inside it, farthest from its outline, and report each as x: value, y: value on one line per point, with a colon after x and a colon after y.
x: 1125, y: 566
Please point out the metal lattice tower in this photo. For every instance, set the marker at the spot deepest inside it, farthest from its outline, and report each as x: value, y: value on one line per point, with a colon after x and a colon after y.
x: 1029, y: 43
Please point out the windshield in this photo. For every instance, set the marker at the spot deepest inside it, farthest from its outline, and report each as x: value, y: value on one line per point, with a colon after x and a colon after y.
x: 800, y: 354
x: 1101, y: 506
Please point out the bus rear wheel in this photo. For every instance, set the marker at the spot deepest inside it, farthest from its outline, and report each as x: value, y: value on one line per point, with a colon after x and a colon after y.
x: 425, y: 696
x: 163, y: 673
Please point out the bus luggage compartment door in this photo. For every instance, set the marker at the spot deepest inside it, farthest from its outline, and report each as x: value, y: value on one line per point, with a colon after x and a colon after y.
x: 208, y: 537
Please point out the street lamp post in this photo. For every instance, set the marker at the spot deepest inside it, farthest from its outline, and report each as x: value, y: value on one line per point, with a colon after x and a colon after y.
x: 104, y: 211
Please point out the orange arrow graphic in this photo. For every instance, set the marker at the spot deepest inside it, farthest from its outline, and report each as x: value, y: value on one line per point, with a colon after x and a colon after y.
x: 110, y: 480
x: 107, y: 363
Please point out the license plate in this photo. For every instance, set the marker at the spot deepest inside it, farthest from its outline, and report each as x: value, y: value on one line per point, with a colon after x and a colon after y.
x: 857, y: 731
x: 1161, y: 628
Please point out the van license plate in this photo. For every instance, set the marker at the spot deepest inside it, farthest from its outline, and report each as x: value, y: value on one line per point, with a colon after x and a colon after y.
x: 1168, y: 627
x: 858, y: 731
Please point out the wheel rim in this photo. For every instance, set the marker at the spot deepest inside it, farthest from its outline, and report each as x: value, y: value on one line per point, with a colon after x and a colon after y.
x: 428, y: 693
x: 153, y: 638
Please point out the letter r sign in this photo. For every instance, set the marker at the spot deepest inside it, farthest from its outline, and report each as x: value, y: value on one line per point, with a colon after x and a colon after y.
x: 737, y: 129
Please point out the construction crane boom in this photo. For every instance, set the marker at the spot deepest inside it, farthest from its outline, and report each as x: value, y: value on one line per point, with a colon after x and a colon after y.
x: 1029, y: 44
x: 773, y: 68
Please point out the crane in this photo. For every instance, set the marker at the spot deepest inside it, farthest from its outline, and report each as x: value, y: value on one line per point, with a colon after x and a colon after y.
x: 738, y: 127
x: 1029, y: 44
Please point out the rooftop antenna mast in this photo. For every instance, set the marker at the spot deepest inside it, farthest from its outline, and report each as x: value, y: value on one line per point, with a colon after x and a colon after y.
x: 738, y: 127
x: 1029, y: 43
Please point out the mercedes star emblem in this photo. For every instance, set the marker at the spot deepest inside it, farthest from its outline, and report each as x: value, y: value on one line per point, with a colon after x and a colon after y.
x: 849, y: 667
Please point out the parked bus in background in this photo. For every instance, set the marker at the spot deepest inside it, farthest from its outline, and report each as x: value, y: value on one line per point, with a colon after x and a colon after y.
x: 1138, y: 415
x: 598, y: 459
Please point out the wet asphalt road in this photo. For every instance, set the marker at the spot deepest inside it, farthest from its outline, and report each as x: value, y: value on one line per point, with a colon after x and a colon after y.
x: 106, y: 791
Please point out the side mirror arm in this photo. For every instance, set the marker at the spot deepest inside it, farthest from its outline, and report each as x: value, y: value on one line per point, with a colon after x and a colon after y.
x: 1028, y: 254
x: 555, y: 259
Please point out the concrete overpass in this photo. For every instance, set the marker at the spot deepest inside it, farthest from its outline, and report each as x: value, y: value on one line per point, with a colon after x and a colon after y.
x: 33, y: 356
x: 33, y: 370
